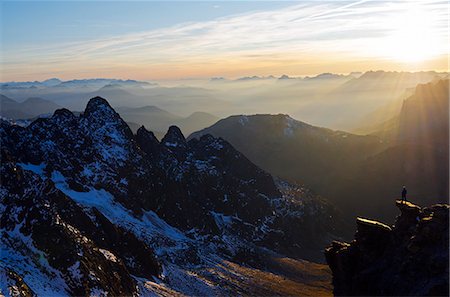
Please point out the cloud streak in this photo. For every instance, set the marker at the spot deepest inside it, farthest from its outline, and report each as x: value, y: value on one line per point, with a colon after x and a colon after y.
x: 301, y: 32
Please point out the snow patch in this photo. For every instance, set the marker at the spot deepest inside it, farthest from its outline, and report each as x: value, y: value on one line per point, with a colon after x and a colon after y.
x: 75, y: 272
x: 149, y: 228
x: 15, y: 251
x: 38, y: 169
x: 170, y: 144
x: 97, y: 292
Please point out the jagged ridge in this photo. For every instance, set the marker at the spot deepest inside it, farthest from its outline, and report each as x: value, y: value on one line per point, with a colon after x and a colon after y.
x: 409, y: 259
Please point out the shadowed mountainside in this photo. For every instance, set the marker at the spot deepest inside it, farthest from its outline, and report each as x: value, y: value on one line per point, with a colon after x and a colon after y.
x: 360, y: 174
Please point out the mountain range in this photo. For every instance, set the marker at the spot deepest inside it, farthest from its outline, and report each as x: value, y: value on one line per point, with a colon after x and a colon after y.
x: 358, y: 173
x: 88, y: 207
x: 156, y: 119
x: 75, y: 83
x: 30, y: 108
x: 344, y: 102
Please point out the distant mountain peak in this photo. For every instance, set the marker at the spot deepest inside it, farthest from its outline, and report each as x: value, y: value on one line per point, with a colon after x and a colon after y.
x: 285, y: 76
x: 110, y: 86
x: 51, y: 82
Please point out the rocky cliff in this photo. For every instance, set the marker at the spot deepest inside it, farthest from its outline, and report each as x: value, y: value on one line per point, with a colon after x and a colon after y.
x: 408, y: 259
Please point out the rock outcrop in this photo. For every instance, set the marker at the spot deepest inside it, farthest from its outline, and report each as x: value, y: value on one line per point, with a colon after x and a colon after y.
x: 409, y: 259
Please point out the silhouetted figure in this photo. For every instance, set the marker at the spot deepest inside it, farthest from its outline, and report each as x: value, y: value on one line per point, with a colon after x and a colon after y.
x: 404, y: 192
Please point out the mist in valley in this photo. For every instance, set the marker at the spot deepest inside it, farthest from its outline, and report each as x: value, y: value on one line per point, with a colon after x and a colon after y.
x: 357, y: 102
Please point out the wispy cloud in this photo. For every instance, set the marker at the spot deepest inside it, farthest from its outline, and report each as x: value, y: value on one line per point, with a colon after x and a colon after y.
x: 356, y: 30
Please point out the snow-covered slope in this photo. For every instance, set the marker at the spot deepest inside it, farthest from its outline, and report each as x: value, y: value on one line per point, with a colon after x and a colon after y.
x: 89, y: 208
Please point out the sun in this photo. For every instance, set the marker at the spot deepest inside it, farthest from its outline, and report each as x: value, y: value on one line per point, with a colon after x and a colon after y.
x: 412, y: 37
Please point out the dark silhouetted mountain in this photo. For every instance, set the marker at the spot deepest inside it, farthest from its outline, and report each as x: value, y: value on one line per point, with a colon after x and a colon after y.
x: 105, y: 209
x: 352, y: 104
x: 30, y: 108
x: 51, y: 82
x: 392, y: 80
x: 424, y: 116
x: 407, y: 259
x: 284, y: 76
x: 218, y: 79
x: 292, y: 149
x: 330, y: 76
x: 417, y: 155
x: 255, y: 77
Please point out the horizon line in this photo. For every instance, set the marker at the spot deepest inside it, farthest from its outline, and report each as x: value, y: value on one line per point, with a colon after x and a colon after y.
x: 292, y: 76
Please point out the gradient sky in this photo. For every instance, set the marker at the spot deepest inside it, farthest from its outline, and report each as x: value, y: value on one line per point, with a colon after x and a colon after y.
x: 184, y: 39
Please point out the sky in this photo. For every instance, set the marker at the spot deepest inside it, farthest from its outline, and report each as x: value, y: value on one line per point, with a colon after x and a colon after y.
x: 150, y: 40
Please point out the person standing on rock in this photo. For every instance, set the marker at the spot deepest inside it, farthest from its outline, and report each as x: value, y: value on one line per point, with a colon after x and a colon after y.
x: 404, y: 192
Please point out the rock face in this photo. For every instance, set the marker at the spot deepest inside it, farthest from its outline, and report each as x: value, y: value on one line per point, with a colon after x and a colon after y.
x: 82, y: 250
x: 409, y: 259
x: 89, y: 208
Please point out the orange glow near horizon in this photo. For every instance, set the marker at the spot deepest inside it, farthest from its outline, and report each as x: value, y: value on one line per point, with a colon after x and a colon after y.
x: 305, y: 38
x: 233, y: 68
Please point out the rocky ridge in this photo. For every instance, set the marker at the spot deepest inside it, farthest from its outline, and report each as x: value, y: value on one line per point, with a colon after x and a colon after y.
x: 408, y: 259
